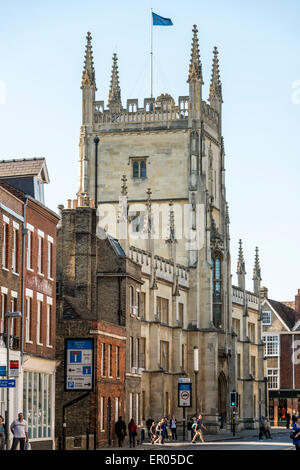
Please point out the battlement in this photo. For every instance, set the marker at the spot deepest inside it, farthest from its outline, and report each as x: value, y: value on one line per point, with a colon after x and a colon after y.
x: 162, y: 110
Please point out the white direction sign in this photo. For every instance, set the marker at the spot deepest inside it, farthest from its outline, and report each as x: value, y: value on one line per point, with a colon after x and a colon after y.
x: 79, y: 364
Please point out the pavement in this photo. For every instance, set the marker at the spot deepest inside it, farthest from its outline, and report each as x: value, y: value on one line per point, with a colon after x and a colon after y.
x: 224, y: 435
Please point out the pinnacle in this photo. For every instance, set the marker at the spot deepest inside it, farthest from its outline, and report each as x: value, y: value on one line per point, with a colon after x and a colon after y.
x: 88, y: 74
x: 195, y: 69
x: 241, y: 262
x: 114, y: 91
x: 215, y: 84
x: 256, y: 270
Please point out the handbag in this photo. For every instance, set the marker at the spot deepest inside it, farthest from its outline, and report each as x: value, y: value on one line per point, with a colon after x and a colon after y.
x: 27, y: 446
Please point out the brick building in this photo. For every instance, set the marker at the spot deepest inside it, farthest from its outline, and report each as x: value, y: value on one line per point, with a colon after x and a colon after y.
x: 94, y: 284
x: 281, y: 335
x: 29, y: 257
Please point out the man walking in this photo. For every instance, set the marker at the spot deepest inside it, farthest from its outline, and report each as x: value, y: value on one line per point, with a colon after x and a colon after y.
x: 149, y: 424
x: 19, y: 428
x: 262, y: 429
x: 120, y: 430
x: 198, y: 430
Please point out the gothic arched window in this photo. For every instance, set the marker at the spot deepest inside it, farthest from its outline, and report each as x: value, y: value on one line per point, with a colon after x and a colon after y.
x: 217, y: 289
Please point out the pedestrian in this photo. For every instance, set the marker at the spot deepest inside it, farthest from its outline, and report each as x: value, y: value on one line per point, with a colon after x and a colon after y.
x: 173, y: 426
x: 19, y: 428
x: 288, y: 420
x: 152, y: 432
x: 149, y: 424
x: 294, y: 417
x: 132, y: 428
x: 262, y: 429
x: 120, y: 430
x: 158, y: 431
x: 267, y: 426
x: 194, y: 426
x: 164, y: 432
x: 296, y: 433
x: 198, y: 429
x: 2, y: 433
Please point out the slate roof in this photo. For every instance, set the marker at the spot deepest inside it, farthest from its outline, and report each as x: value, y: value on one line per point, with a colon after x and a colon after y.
x: 287, y: 314
x: 23, y: 167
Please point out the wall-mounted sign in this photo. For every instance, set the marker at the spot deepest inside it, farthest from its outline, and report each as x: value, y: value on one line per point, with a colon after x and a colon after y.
x: 79, y: 364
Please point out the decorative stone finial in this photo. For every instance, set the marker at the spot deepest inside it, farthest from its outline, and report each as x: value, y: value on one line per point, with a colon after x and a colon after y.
x: 114, y: 96
x: 195, y: 69
x: 215, y: 91
x: 88, y: 74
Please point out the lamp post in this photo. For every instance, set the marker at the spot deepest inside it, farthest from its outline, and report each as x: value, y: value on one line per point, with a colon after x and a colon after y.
x: 196, y: 370
x: 8, y: 316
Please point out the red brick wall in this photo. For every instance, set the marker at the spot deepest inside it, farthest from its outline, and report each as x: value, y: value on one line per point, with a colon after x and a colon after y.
x: 8, y: 279
x: 108, y: 387
x: 42, y: 220
x: 287, y: 368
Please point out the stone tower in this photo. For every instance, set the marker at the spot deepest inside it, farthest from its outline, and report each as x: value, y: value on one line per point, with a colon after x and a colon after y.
x: 170, y: 152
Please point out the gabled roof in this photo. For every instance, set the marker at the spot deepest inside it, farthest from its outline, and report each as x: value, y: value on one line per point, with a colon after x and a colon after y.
x: 287, y: 314
x: 24, y: 167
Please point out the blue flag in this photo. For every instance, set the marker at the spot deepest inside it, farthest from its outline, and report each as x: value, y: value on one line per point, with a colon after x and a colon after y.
x: 160, y: 21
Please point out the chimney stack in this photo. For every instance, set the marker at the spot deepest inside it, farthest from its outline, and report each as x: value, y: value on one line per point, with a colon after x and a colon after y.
x: 297, y: 305
x: 264, y: 292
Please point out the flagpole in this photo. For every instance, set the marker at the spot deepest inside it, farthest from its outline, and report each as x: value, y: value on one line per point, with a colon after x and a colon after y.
x: 151, y: 57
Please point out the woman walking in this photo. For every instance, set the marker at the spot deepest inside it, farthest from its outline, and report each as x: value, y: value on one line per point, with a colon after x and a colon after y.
x: 158, y: 431
x: 132, y: 428
x: 152, y: 432
x: 173, y: 426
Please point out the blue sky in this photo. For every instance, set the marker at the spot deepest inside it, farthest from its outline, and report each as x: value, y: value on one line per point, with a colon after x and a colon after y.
x: 42, y: 49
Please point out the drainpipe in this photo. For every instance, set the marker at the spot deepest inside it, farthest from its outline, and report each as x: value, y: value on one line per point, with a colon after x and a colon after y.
x: 96, y: 141
x: 24, y: 232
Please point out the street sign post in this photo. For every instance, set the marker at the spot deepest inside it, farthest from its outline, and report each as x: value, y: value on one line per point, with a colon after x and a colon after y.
x: 184, y: 397
x: 79, y: 364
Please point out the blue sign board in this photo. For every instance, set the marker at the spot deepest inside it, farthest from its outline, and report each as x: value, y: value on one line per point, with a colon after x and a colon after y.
x: 10, y: 383
x: 79, y: 364
x: 2, y: 371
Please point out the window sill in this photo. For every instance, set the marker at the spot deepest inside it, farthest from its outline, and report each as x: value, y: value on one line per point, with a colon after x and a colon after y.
x: 41, y: 274
x: 49, y: 346
x: 30, y: 269
x: 28, y: 342
x: 5, y: 269
x: 16, y: 274
x: 50, y: 278
x: 39, y: 344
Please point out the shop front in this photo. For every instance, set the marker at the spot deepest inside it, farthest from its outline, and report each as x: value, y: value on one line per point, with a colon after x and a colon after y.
x: 282, y: 402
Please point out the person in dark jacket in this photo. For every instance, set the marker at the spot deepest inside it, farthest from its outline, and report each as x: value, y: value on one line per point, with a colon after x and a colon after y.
x: 120, y: 430
x: 149, y: 424
x: 296, y: 429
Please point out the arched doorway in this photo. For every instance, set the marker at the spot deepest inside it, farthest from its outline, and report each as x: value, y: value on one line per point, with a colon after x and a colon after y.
x: 222, y: 398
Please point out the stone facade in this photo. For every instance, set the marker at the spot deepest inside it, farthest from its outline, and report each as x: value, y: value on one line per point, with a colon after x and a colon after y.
x: 172, y: 160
